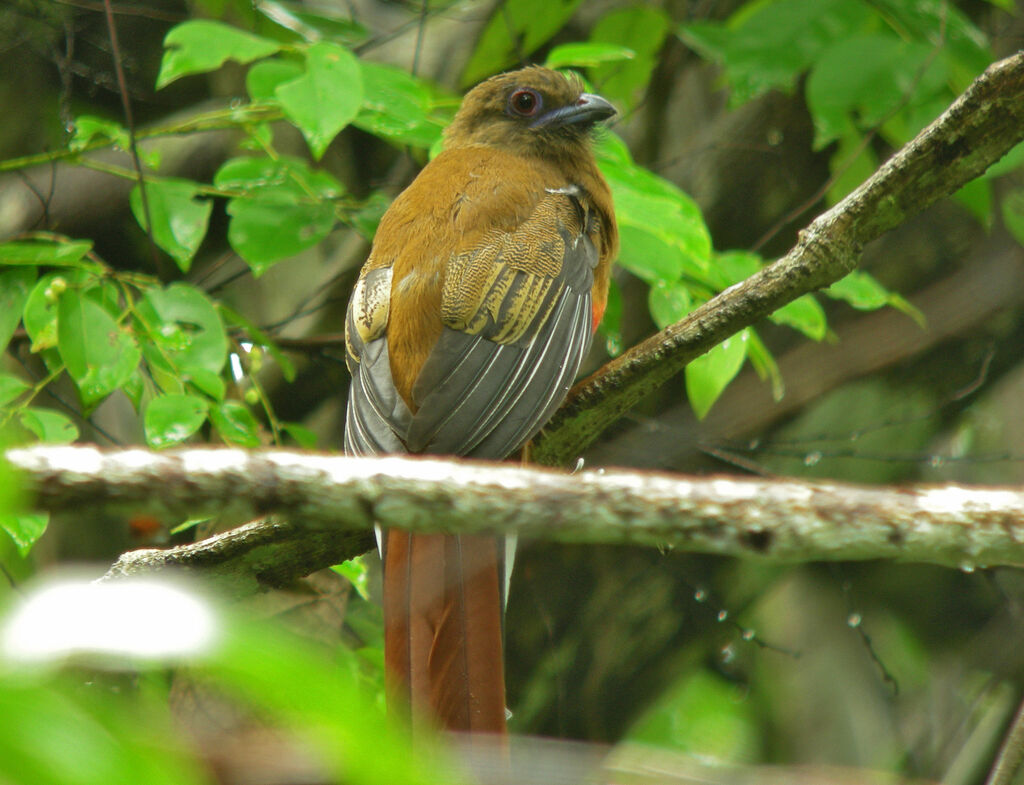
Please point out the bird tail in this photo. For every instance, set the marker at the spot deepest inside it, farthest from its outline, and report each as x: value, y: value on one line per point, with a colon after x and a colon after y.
x: 443, y: 628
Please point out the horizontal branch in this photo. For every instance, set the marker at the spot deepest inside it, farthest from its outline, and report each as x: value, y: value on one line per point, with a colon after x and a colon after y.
x: 978, y: 129
x: 324, y: 497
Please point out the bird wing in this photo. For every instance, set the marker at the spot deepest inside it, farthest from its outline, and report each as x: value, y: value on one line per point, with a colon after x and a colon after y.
x: 517, y: 317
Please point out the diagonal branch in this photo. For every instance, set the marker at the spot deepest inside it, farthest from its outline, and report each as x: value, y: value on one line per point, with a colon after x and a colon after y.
x: 976, y: 131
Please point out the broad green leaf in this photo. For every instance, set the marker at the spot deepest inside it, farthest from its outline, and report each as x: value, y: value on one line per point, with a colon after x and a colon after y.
x: 263, y: 78
x: 179, y: 219
x: 284, y: 208
x: 764, y: 364
x: 171, y: 419
x: 187, y: 340
x: 10, y: 388
x: 15, y: 286
x: 397, y: 106
x: 669, y: 301
x: 47, y: 252
x: 201, y: 45
x: 869, y: 76
x: 25, y: 529
x: 90, y: 129
x: 976, y: 197
x: 303, y: 436
x: 587, y: 55
x: 648, y: 256
x: 851, y: 164
x: 611, y: 323
x: 1013, y: 160
x: 516, y: 30
x: 206, y: 381
x: 640, y: 28
x: 709, y: 375
x: 1013, y: 213
x: 326, y: 97
x: 864, y: 293
x: 49, y: 427
x: 731, y: 267
x: 804, y: 314
x: 235, y: 424
x: 767, y: 45
x: 40, y: 313
x: 98, y: 353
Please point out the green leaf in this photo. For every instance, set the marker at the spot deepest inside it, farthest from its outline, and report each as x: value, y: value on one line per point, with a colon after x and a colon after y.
x: 1010, y: 162
x: 98, y: 353
x: 864, y: 293
x: 611, y: 322
x: 49, y: 427
x: 731, y: 267
x: 265, y: 77
x: 804, y: 314
x: 764, y: 364
x: 709, y: 375
x: 47, y: 252
x: 516, y: 30
x: 201, y: 45
x: 179, y: 219
x: 851, y: 164
x: 303, y: 436
x: 1013, y: 213
x: 15, y: 285
x: 326, y: 97
x: 587, y: 55
x: 357, y: 574
x: 648, y: 256
x: 868, y: 77
x: 206, y: 381
x: 767, y: 45
x: 397, y: 106
x: 284, y: 208
x: 90, y: 129
x: 10, y: 388
x: 640, y: 28
x: 260, y: 338
x: 976, y: 197
x: 24, y: 529
x: 187, y: 341
x: 235, y: 424
x: 40, y: 312
x: 669, y: 301
x: 171, y: 419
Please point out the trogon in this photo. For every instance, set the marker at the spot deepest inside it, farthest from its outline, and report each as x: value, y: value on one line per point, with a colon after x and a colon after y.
x: 468, y: 323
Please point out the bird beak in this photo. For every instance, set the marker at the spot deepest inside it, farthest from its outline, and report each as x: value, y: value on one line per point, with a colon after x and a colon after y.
x: 589, y: 108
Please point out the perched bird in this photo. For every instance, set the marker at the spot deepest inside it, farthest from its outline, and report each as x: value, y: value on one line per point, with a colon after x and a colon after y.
x: 465, y: 330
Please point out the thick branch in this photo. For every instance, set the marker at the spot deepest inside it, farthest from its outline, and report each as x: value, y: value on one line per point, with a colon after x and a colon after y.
x: 327, y: 498
x: 975, y: 132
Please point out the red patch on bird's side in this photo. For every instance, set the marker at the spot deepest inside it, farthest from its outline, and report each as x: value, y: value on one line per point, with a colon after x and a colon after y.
x: 598, y: 315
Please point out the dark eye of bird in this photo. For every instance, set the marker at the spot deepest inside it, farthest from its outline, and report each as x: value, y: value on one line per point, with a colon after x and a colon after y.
x: 525, y: 102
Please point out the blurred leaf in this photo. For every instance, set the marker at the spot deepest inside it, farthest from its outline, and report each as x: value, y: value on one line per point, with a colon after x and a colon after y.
x: 303, y: 436
x: 201, y: 45
x: 864, y: 293
x: 235, y: 424
x: 766, y: 45
x: 354, y: 570
x: 24, y: 529
x: 588, y: 54
x: 47, y: 252
x: 669, y: 301
x: 611, y: 322
x: 709, y: 375
x: 515, y: 31
x: 326, y: 97
x: 260, y: 338
x: 640, y: 28
x: 312, y: 25
x: 15, y: 285
x: 99, y: 354
x: 851, y: 164
x: 170, y: 419
x: 648, y: 256
x: 40, y: 312
x: 1013, y: 160
x: 805, y: 315
x: 284, y: 207
x: 49, y: 427
x: 764, y: 364
x: 1013, y: 213
x: 89, y: 129
x: 976, y: 197
x: 703, y: 714
x: 10, y: 388
x: 367, y: 218
x: 263, y: 78
x: 729, y: 267
x: 179, y: 219
x: 868, y: 77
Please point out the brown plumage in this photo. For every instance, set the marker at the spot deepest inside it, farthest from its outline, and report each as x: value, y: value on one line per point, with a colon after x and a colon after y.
x: 466, y: 328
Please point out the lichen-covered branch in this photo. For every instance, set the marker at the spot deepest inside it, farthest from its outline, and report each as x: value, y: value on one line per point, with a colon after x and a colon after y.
x: 327, y: 499
x: 978, y: 129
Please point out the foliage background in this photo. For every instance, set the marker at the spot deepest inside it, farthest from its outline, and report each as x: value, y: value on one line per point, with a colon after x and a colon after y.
x: 274, y: 134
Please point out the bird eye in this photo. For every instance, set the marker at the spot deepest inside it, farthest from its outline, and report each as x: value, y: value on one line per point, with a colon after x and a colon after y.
x: 525, y: 102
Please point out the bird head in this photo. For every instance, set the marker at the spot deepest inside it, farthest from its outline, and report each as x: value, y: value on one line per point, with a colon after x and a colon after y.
x: 531, y: 111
